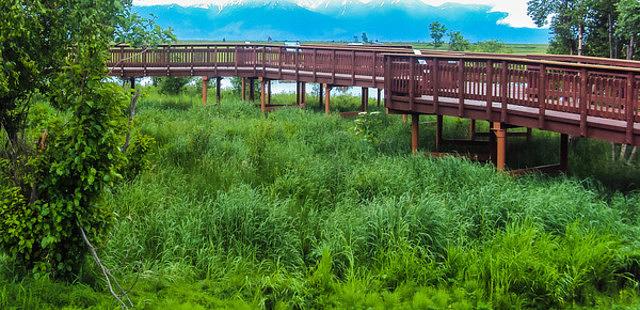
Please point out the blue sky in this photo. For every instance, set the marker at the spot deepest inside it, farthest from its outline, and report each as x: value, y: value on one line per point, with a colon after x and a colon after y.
x: 517, y: 9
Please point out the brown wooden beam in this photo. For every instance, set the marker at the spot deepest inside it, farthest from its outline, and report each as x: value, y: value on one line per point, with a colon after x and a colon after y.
x: 320, y: 94
x: 327, y: 99
x: 564, y: 152
x: 243, y: 89
x: 501, y: 146
x: 415, y: 132
x: 263, y: 95
x: 205, y: 91
x: 252, y: 90
x: 218, y: 90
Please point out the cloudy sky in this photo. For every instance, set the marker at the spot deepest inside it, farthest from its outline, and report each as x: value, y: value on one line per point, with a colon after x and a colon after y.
x: 517, y: 9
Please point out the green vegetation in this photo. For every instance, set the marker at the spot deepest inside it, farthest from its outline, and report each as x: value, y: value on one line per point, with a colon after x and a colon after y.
x: 299, y: 210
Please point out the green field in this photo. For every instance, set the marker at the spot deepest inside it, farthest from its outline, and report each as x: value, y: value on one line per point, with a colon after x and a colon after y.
x: 297, y: 210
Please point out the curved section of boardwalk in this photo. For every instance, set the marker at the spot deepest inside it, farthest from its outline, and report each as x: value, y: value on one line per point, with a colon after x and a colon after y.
x: 578, y: 96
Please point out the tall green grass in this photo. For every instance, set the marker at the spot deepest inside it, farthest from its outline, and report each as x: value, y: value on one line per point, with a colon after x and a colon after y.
x: 294, y: 210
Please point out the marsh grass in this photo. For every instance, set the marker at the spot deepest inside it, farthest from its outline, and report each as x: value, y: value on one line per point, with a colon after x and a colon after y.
x: 294, y: 210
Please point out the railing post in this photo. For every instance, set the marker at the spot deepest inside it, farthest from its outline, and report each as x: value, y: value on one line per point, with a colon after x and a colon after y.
x: 255, y: 60
x: 584, y: 104
x: 629, y: 107
x: 461, y: 88
x: 264, y: 61
x: 280, y: 62
x: 315, y: 63
x: 215, y: 60
x: 236, y: 58
x: 435, y: 79
x: 333, y: 73
x: 504, y: 91
x: 489, y: 89
x: 542, y: 99
x: 296, y: 58
x: 387, y: 81
x: 412, y: 82
x: 353, y: 67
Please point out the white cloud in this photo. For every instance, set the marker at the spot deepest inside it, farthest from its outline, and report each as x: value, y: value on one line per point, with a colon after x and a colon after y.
x: 517, y: 9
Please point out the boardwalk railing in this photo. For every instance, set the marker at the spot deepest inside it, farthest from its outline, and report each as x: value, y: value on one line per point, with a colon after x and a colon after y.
x: 360, y: 65
x: 600, y: 100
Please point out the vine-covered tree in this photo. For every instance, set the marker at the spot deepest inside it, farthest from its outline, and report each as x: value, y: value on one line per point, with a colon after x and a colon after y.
x: 57, y: 50
x: 437, y: 31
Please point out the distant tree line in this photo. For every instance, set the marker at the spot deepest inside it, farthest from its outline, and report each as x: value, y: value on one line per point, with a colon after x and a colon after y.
x: 457, y: 41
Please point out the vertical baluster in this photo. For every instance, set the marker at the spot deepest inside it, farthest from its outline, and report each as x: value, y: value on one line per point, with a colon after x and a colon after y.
x: 387, y: 81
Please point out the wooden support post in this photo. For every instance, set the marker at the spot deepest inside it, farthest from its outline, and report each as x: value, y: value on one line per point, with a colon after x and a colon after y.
x: 379, y: 96
x: 529, y: 134
x: 364, y: 105
x: 320, y: 94
x: 303, y: 94
x: 415, y: 132
x: 263, y: 95
x: 327, y: 99
x: 132, y: 84
x: 252, y: 90
x: 243, y: 89
x: 218, y: 90
x: 269, y: 92
x: 298, y: 95
x: 564, y: 152
x: 205, y: 91
x: 439, y: 122
x: 472, y: 130
x: 501, y: 146
x: 404, y: 119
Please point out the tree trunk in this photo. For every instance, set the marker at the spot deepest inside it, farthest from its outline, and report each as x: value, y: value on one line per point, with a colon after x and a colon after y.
x: 630, y: 48
x: 610, y: 32
x: 623, y: 152
x: 580, y: 39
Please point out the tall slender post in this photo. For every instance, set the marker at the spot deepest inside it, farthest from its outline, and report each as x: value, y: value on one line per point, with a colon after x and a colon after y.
x: 415, y: 132
x: 564, y: 152
x: 320, y: 94
x: 218, y: 90
x: 501, y: 146
x: 327, y: 99
x: 439, y: 121
x: 269, y: 92
x: 243, y: 89
x: 379, y: 96
x: 303, y: 94
x: 364, y: 105
x: 205, y: 83
x: 132, y: 84
x: 252, y: 90
x: 263, y: 95
x: 298, y: 96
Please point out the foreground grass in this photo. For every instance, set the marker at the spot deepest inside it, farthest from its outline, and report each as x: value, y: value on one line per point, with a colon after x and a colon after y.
x: 294, y: 210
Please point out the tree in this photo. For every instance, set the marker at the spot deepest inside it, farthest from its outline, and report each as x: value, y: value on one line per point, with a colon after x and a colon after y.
x: 171, y: 85
x: 629, y: 23
x: 437, y: 31
x: 457, y: 42
x: 568, y: 22
x: 47, y: 194
x: 365, y: 39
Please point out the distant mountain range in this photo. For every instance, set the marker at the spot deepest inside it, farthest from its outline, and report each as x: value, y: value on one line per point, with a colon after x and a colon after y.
x: 325, y: 20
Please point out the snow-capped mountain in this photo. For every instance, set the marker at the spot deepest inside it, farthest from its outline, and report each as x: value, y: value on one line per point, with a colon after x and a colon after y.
x: 328, y: 20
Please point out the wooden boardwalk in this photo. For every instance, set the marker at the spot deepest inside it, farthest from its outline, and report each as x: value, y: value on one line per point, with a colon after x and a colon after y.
x: 577, y: 96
